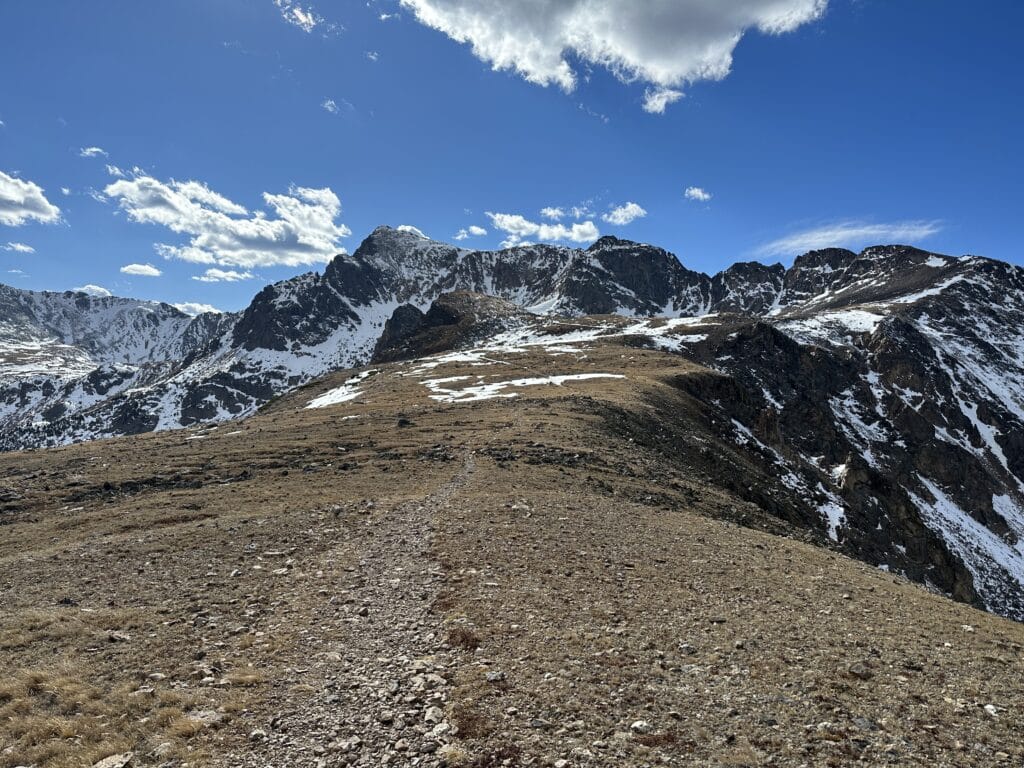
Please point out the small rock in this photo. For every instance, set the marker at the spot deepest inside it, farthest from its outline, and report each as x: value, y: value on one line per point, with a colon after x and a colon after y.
x: 641, y: 726
x: 495, y: 677
x: 434, y: 715
x: 860, y: 671
x: 992, y: 709
x: 258, y: 735
x: 115, y: 761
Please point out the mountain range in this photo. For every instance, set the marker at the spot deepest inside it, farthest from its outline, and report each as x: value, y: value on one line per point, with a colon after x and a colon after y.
x: 872, y: 400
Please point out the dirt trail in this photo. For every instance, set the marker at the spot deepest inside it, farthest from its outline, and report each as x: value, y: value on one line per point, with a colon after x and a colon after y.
x: 371, y: 686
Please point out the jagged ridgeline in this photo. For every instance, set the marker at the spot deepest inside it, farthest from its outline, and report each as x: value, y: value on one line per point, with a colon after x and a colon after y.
x: 874, y: 399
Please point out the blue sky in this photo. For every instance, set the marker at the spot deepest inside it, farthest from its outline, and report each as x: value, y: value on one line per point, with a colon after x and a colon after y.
x: 852, y: 123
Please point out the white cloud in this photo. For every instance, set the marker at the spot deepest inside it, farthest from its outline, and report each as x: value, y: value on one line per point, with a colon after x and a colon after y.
x: 331, y: 106
x: 468, y: 232
x: 305, y: 19
x: 141, y: 270
x: 624, y: 214
x: 65, y: 191
x: 215, y: 275
x: 850, y: 234
x: 194, y: 308
x: 388, y: 16
x: 94, y: 290
x: 552, y: 214
x: 666, y: 44
x: 224, y: 233
x: 22, y: 201
x: 116, y: 172
x: 518, y: 228
x: 373, y: 56
x: 656, y: 99
x: 697, y: 194
x: 92, y: 152
x: 19, y: 248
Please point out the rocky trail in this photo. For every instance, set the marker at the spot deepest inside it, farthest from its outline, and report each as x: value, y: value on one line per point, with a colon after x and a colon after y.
x: 370, y: 686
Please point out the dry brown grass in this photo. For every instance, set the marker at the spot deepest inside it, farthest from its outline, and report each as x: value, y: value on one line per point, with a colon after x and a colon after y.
x: 464, y: 638
x: 245, y: 677
x: 62, y: 717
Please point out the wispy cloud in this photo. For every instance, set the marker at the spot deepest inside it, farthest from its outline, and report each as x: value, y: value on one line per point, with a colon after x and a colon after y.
x: 92, y: 152
x: 656, y: 100
x: 850, y: 234
x: 305, y: 17
x: 19, y: 248
x: 697, y: 194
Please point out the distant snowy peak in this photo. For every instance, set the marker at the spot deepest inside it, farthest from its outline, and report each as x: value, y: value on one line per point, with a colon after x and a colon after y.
x: 74, y: 366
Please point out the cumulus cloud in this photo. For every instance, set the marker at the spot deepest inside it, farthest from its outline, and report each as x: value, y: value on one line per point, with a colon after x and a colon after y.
x: 94, y: 290
x: 697, y: 194
x: 214, y: 275
x: 552, y: 213
x: 666, y: 44
x: 141, y: 270
x: 92, y: 152
x: 19, y: 248
x: 624, y: 214
x: 468, y: 232
x: 302, y: 231
x: 193, y: 308
x: 850, y: 234
x: 22, y: 201
x: 518, y: 229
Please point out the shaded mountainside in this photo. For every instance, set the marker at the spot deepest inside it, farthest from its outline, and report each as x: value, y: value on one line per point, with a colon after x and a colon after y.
x: 875, y: 400
x: 578, y: 540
